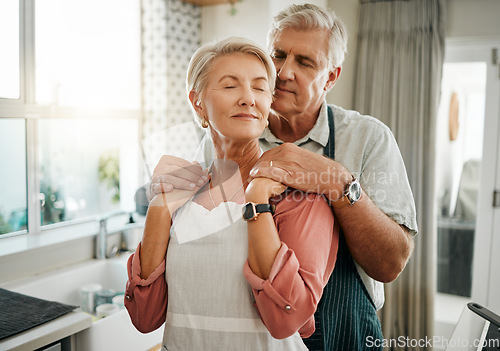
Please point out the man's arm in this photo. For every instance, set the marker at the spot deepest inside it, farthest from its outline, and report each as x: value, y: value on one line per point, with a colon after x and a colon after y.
x: 377, y: 243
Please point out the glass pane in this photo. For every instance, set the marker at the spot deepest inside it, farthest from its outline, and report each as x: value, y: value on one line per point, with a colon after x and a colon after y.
x: 87, y: 167
x: 13, y: 203
x: 459, y: 154
x: 9, y: 42
x: 88, y: 53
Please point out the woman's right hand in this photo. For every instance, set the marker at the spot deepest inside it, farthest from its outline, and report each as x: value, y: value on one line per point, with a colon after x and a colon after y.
x: 176, y: 173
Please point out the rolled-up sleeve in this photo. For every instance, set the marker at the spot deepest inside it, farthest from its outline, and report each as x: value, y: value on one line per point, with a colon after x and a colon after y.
x: 145, y: 299
x: 309, y: 241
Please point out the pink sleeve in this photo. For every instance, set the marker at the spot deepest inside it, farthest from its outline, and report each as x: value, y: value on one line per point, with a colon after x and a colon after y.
x: 145, y: 299
x: 309, y: 242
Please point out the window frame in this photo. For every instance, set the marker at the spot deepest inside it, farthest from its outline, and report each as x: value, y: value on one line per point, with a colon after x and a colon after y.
x: 27, y: 109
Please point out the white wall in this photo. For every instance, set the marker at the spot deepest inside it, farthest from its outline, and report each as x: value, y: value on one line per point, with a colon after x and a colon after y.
x: 342, y: 92
x: 251, y: 20
x: 472, y: 19
x: 278, y: 5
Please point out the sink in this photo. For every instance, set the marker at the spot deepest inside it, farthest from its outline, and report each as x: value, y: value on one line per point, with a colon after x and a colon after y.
x: 114, y: 332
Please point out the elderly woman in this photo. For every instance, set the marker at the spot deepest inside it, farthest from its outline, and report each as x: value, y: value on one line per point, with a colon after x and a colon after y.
x: 234, y: 265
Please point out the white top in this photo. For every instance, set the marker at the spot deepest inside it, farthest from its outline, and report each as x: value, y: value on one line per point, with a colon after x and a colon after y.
x: 368, y: 149
x: 225, y: 318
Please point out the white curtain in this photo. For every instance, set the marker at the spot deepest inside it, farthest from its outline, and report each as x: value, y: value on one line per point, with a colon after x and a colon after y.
x: 399, y: 62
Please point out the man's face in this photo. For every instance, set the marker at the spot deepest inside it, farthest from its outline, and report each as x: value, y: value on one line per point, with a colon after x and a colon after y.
x: 303, y: 74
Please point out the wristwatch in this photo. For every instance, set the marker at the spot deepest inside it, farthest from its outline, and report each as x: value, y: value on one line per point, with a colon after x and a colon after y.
x: 352, y: 193
x: 252, y: 210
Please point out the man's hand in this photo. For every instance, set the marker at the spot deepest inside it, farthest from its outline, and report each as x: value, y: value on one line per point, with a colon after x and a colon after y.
x: 377, y: 243
x: 176, y: 173
x: 303, y: 170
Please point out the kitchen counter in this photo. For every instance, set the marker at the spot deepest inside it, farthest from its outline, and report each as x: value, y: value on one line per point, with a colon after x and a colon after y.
x: 47, y: 333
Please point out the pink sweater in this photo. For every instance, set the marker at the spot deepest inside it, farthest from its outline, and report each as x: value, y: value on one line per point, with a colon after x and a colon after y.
x: 288, y: 299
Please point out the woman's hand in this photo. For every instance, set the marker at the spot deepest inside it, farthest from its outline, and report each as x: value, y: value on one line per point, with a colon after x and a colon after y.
x: 176, y: 173
x: 260, y: 190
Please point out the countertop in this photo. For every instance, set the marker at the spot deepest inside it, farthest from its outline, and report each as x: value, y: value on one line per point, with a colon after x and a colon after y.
x: 47, y: 333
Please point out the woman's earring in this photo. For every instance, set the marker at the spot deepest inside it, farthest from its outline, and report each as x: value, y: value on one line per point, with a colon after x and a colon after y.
x: 204, y: 123
x: 267, y: 123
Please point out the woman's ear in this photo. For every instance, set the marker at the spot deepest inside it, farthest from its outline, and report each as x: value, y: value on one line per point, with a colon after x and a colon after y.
x: 194, y: 98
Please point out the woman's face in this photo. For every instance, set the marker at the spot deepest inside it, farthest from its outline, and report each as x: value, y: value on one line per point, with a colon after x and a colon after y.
x: 237, y: 99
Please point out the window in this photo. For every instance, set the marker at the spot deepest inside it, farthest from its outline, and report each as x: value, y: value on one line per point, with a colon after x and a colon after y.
x: 88, y: 53
x: 9, y: 42
x: 13, y: 205
x: 69, y: 129
x: 80, y: 178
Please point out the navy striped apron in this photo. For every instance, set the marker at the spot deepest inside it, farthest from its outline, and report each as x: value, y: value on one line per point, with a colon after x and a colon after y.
x: 346, y: 317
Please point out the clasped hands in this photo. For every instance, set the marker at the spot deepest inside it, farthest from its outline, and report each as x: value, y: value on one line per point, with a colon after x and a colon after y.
x: 178, y: 180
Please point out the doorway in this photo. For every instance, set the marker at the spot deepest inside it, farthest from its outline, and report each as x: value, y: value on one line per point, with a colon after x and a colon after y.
x: 467, y: 167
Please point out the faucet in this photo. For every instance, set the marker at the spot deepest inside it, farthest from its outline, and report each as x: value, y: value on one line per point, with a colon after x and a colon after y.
x: 100, y: 244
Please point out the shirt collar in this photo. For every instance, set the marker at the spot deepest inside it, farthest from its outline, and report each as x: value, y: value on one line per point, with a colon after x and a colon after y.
x: 319, y: 133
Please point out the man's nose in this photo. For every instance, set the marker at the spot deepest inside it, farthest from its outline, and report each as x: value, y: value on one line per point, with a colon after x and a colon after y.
x: 286, y: 71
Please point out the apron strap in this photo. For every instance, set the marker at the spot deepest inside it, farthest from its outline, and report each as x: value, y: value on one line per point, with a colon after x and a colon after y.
x: 346, y: 315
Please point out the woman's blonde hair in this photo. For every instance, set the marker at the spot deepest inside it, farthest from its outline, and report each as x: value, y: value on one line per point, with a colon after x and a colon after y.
x: 311, y: 17
x: 203, y: 58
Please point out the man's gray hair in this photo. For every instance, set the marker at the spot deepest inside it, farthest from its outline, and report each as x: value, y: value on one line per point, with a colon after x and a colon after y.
x: 311, y: 17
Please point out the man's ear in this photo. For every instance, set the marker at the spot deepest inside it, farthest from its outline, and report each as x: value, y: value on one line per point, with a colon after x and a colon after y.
x: 332, y: 78
x: 194, y: 98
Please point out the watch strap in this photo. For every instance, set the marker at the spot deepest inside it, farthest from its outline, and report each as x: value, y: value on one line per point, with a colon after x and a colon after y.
x: 252, y: 210
x: 261, y: 208
x: 342, y: 202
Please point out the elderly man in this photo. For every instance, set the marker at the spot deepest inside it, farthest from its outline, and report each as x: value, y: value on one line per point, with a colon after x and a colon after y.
x: 363, y: 175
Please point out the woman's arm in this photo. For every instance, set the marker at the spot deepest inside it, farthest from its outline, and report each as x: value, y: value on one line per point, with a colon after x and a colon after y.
x: 145, y: 299
x: 303, y: 245
x: 263, y: 239
x: 146, y: 291
x: 156, y: 235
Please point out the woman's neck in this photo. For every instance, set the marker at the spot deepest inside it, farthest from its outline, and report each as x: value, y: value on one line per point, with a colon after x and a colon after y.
x: 234, y: 157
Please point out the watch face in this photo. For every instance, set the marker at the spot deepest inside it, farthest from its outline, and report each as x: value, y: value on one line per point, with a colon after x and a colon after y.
x: 248, y: 211
x: 354, y: 191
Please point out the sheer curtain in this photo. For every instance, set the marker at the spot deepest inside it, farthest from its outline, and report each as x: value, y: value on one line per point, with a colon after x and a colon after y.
x: 399, y: 62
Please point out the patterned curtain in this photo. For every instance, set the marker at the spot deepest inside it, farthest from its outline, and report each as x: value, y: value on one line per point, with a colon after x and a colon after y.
x: 399, y: 63
x: 170, y: 35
